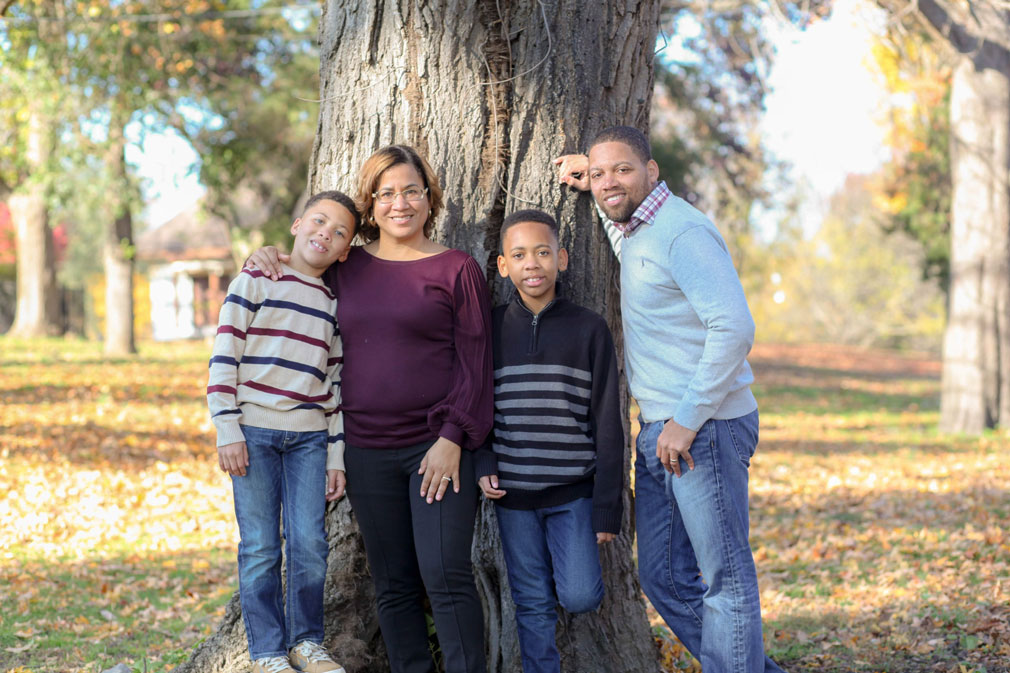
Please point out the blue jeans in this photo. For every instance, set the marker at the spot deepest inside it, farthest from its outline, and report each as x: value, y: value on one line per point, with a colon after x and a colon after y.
x: 286, y: 477
x: 698, y: 525
x: 547, y: 550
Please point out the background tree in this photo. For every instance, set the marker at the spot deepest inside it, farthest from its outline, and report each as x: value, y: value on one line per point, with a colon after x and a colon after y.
x: 710, y: 89
x: 976, y: 346
x: 489, y: 92
x: 255, y: 159
x: 851, y: 282
x: 126, y: 69
x: 711, y: 83
x: 30, y: 100
x: 914, y: 187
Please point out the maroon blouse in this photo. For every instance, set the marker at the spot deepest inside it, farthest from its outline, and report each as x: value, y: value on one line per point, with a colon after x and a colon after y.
x: 417, y: 349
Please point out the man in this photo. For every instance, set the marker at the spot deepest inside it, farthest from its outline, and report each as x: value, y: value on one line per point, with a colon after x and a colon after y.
x: 687, y: 332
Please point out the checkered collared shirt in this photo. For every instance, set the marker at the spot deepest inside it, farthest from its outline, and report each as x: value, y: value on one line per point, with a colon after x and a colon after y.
x: 646, y: 211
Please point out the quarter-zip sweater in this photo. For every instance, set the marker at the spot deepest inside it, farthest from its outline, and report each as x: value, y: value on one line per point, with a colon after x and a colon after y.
x: 557, y: 432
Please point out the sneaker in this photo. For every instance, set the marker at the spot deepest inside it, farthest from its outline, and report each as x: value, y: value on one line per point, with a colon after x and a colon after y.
x: 272, y: 665
x: 310, y: 657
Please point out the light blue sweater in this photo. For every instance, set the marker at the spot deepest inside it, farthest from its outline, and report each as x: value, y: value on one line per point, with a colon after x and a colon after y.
x: 687, y: 328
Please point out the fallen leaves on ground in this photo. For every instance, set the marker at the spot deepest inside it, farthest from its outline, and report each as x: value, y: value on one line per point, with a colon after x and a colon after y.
x: 880, y: 543
x: 118, y: 527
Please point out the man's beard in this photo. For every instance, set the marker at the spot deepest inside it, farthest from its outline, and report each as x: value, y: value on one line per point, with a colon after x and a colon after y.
x: 621, y: 214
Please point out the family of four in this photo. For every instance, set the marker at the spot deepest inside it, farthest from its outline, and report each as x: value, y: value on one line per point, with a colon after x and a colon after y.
x: 381, y: 371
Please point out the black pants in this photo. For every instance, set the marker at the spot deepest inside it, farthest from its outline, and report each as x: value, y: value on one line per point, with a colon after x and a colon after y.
x: 412, y: 547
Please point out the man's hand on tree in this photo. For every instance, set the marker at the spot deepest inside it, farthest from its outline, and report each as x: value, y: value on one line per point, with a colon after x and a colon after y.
x: 573, y: 170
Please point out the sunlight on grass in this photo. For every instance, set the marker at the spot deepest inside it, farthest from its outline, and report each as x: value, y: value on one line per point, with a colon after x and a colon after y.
x: 880, y: 543
x: 119, y: 536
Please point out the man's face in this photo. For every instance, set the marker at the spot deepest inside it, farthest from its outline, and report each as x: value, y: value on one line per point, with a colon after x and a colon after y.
x: 619, y: 179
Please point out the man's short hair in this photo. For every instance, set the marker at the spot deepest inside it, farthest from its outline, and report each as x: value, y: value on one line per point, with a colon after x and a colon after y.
x: 336, y: 197
x: 628, y: 135
x: 528, y: 215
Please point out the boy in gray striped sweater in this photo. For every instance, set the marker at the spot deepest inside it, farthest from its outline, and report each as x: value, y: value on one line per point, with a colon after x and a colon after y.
x: 274, y: 395
x: 554, y: 461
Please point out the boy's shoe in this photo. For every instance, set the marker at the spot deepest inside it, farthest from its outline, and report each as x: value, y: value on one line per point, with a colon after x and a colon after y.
x: 310, y: 657
x: 272, y: 665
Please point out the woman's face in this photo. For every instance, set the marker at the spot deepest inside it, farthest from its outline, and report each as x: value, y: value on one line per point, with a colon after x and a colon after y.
x: 403, y: 219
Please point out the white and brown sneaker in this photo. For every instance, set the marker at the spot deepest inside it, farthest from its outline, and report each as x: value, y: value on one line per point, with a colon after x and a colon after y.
x: 310, y: 657
x: 272, y: 665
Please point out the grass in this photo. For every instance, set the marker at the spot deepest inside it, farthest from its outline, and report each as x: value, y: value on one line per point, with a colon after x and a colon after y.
x: 880, y: 543
x: 118, y: 536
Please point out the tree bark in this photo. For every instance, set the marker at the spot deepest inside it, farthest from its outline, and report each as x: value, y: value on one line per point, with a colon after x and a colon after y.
x: 118, y: 249
x: 37, y: 311
x: 976, y: 361
x: 489, y: 92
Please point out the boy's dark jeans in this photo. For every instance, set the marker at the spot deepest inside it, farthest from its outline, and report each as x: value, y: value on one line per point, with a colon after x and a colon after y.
x: 551, y: 556
x: 412, y: 547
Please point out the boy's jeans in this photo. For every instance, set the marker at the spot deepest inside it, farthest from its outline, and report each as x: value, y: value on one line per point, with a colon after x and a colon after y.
x: 286, y: 476
x: 547, y: 549
x: 699, y: 522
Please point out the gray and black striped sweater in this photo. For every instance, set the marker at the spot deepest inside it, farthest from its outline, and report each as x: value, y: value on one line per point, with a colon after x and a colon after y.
x: 557, y: 415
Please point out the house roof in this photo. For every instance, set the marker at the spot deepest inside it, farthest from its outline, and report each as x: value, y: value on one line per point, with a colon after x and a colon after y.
x: 190, y: 235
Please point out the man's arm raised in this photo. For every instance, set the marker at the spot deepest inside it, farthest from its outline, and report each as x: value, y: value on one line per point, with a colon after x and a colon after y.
x: 573, y: 170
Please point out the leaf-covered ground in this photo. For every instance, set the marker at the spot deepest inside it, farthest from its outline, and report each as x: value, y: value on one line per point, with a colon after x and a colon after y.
x: 880, y: 543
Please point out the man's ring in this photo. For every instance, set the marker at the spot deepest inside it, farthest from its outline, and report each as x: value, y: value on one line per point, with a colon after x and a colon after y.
x: 446, y: 478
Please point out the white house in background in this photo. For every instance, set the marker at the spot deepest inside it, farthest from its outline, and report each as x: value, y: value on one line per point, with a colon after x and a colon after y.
x: 189, y: 265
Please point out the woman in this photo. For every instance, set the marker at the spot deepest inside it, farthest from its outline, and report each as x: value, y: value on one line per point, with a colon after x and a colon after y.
x: 417, y: 398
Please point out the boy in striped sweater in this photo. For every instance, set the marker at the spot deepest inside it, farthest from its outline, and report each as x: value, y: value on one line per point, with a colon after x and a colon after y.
x: 274, y: 395
x: 555, y: 463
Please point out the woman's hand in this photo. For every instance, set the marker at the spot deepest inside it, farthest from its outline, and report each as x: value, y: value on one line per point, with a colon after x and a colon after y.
x: 336, y: 482
x: 440, y: 467
x: 268, y: 260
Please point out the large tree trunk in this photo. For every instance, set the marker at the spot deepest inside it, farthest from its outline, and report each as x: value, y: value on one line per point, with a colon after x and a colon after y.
x: 118, y: 250
x: 976, y: 359
x: 489, y: 92
x: 37, y: 310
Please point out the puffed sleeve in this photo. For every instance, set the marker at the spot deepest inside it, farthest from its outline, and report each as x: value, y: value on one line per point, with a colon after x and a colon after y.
x: 465, y: 415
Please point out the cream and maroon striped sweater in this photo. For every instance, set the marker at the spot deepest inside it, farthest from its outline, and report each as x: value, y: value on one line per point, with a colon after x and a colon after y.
x: 277, y: 359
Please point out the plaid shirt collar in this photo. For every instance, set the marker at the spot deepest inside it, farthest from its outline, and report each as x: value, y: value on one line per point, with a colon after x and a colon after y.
x: 646, y: 211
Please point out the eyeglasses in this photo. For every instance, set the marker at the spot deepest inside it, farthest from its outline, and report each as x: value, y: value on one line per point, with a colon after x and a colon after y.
x: 388, y: 196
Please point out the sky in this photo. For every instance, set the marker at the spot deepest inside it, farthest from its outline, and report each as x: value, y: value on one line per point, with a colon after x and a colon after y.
x: 168, y: 166
x: 825, y: 110
x: 823, y: 117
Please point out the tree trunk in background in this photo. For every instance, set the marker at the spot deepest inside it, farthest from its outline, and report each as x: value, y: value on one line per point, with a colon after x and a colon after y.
x: 976, y: 363
x: 37, y: 311
x: 118, y: 250
x: 489, y: 92
x: 976, y: 347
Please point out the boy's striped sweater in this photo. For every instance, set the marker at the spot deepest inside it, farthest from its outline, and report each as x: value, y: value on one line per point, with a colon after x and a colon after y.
x: 557, y: 432
x: 277, y: 359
